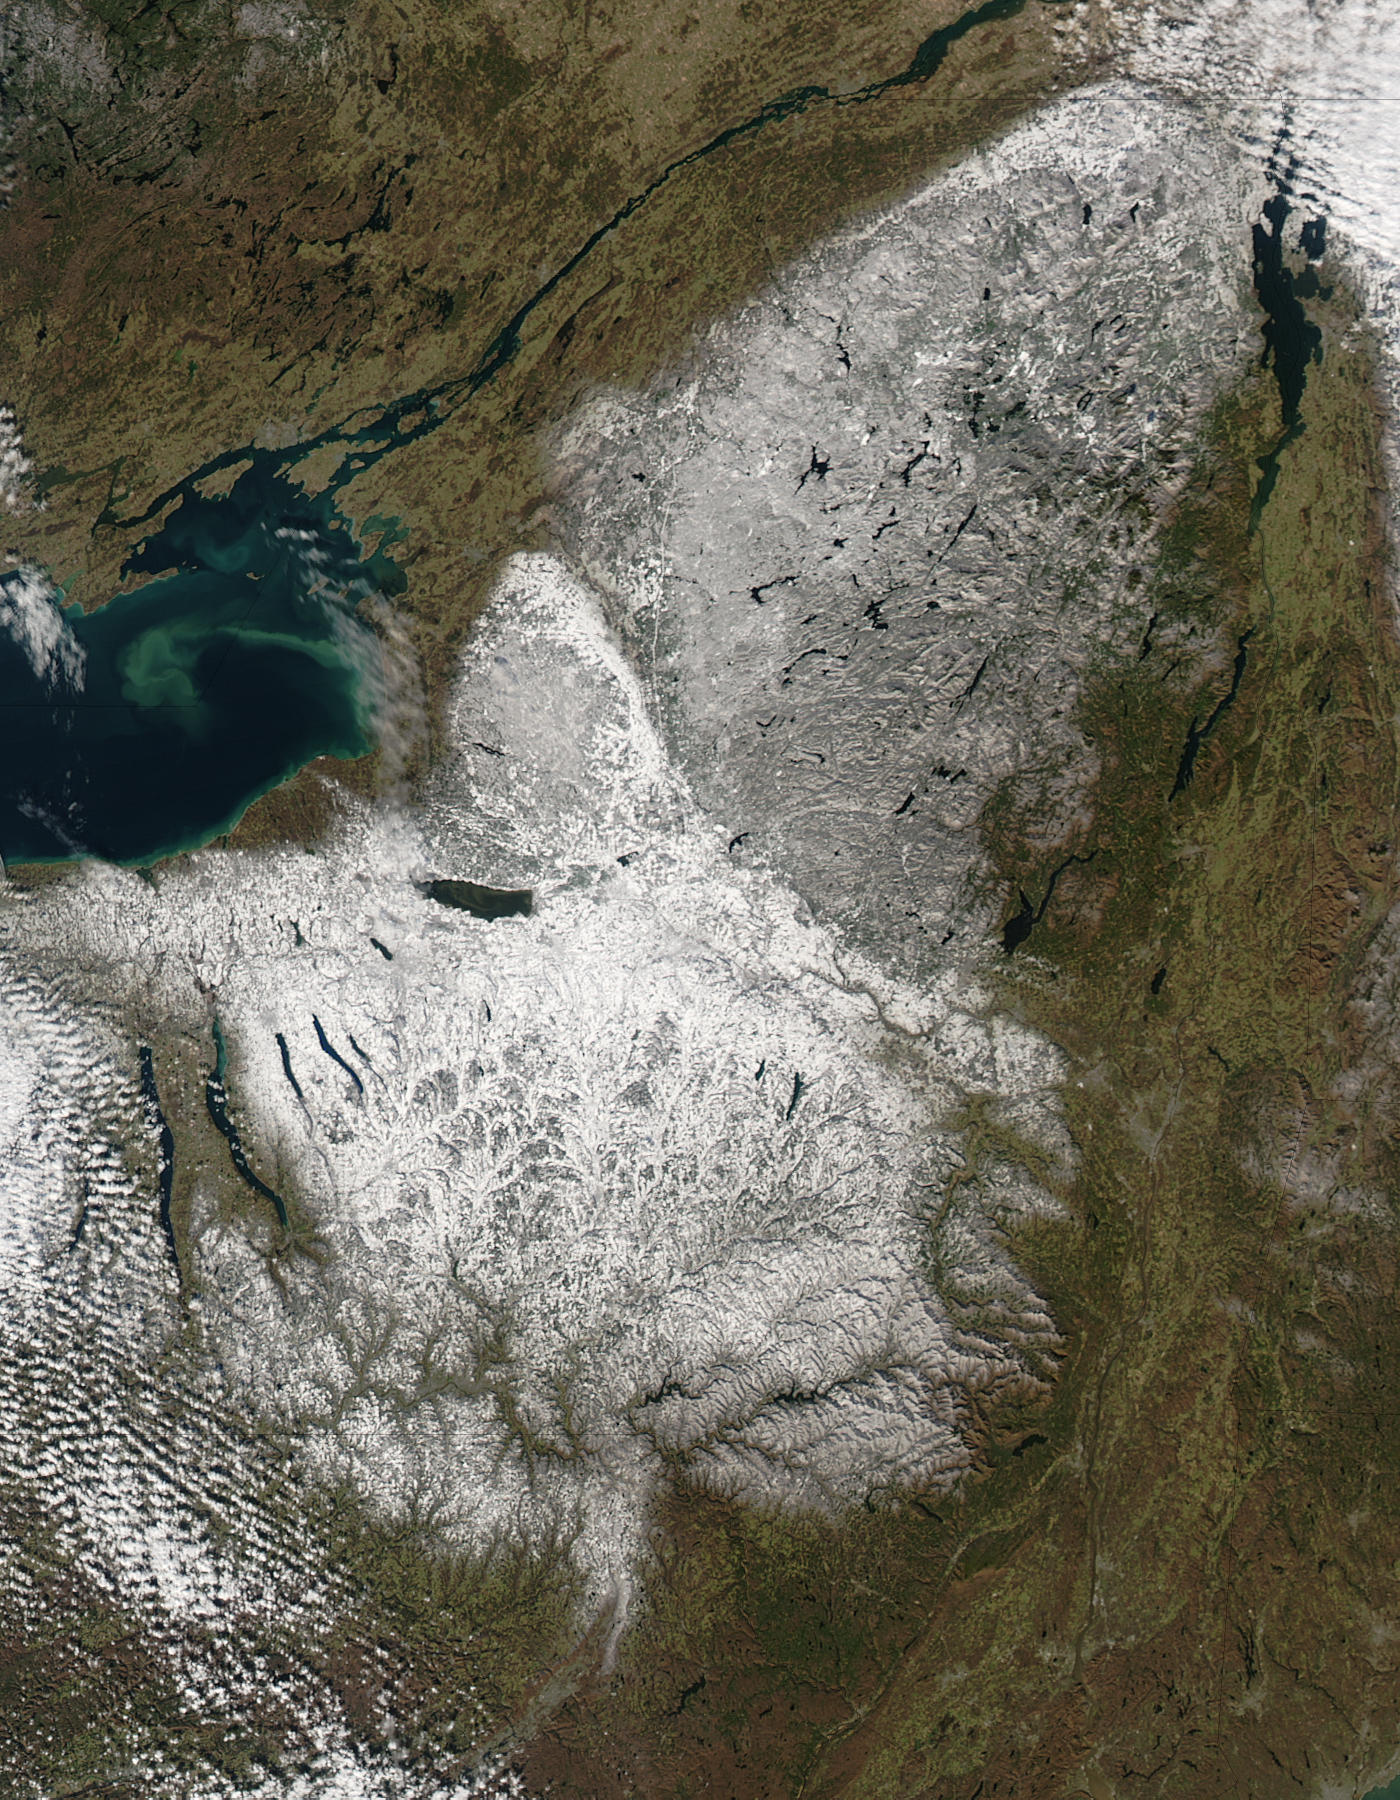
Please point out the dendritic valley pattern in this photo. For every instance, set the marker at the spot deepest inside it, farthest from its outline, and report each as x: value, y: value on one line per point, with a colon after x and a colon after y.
x: 790, y: 1189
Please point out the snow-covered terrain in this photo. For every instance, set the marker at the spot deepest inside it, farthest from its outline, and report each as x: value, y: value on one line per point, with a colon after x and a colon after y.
x: 1313, y: 81
x: 867, y: 540
x: 673, y: 1176
x: 1311, y: 90
x: 152, y: 1493
x: 643, y: 1179
x: 670, y: 1177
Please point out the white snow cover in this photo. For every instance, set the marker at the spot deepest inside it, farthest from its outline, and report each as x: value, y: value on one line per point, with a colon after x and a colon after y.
x: 642, y: 1181
x: 866, y: 540
x: 150, y: 1497
x: 644, y: 1177
x: 1315, y: 79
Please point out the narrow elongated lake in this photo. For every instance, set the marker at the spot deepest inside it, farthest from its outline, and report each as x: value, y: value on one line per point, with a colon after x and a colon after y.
x: 150, y: 725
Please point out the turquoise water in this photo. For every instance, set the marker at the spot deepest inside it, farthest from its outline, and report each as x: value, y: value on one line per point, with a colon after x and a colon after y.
x: 149, y: 726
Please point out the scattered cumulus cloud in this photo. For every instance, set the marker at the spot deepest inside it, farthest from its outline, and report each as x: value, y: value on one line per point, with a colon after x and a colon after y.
x: 32, y: 617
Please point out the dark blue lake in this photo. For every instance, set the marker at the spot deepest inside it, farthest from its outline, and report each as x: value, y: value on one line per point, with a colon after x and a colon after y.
x: 150, y: 725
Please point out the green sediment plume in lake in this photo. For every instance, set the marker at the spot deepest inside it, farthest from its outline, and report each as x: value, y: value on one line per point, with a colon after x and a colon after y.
x: 148, y: 726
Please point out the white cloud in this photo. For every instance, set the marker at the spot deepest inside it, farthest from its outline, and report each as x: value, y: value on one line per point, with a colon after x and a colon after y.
x: 14, y: 464
x: 643, y: 1176
x: 31, y: 615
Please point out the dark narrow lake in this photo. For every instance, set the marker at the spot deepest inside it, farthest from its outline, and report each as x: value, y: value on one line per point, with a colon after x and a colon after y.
x: 149, y: 726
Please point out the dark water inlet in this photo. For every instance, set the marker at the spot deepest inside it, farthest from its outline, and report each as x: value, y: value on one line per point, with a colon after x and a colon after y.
x: 1028, y: 915
x: 150, y: 725
x: 216, y: 1099
x: 1020, y: 925
x: 481, y: 901
x: 287, y: 1067
x: 1197, y: 734
x: 1291, y: 340
x: 165, y: 1149
x: 75, y: 1237
x: 373, y: 432
x: 182, y: 702
x: 334, y: 1054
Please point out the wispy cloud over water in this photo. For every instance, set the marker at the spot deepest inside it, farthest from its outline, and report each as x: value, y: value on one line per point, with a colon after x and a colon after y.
x: 32, y: 617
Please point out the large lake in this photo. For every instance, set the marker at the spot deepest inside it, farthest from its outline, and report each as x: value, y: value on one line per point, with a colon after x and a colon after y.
x: 148, y: 726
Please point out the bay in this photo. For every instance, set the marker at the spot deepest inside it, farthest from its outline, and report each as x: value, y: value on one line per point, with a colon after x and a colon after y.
x: 149, y: 725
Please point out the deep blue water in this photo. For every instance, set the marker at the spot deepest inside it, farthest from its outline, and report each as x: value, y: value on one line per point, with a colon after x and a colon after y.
x: 150, y: 725
x: 159, y: 718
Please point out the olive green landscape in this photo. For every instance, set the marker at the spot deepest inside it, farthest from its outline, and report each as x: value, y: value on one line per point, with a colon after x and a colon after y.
x: 1177, y: 1576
